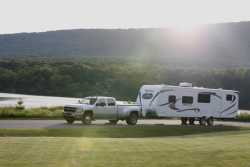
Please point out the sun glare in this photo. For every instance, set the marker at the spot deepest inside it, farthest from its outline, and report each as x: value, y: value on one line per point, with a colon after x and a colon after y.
x: 186, y: 27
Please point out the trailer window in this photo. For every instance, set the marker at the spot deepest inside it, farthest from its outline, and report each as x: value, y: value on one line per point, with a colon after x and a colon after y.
x: 187, y: 100
x: 147, y: 95
x: 171, y: 99
x: 204, y: 98
x: 230, y: 97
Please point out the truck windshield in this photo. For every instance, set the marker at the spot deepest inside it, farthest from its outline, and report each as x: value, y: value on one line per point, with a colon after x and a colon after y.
x: 90, y: 101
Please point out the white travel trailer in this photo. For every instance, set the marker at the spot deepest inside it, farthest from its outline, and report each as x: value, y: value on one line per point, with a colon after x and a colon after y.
x: 188, y: 103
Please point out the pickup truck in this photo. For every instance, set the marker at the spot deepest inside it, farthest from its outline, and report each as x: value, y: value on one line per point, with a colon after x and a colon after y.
x: 99, y: 107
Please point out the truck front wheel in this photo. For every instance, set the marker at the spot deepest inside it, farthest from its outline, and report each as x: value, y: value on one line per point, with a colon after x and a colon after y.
x: 87, y: 118
x: 132, y: 119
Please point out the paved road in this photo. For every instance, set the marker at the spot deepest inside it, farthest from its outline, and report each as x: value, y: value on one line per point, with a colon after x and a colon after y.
x: 77, y: 124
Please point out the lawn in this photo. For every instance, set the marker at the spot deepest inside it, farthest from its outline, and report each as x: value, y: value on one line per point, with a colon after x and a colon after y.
x: 107, y: 146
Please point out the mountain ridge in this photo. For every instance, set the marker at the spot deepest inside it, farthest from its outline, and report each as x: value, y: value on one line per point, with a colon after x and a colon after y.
x: 215, y: 45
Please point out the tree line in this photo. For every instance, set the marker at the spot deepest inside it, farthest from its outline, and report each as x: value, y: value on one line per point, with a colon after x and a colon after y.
x: 121, y: 79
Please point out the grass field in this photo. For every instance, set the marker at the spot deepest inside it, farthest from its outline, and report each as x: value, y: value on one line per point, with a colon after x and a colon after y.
x: 156, y: 146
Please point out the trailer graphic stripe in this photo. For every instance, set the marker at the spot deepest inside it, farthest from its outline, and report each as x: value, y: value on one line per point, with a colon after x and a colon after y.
x: 164, y: 104
x: 158, y: 93
x: 189, y: 109
x: 179, y: 110
x: 232, y: 112
x: 228, y: 108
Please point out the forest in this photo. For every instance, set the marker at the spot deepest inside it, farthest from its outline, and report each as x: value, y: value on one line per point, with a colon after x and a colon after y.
x: 116, y: 62
x: 112, y: 77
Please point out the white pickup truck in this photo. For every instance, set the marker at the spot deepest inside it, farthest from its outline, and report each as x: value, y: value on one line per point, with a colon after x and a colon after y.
x: 91, y: 108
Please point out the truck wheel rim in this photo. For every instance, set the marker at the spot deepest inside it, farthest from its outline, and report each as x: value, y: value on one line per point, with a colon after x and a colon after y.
x: 134, y: 119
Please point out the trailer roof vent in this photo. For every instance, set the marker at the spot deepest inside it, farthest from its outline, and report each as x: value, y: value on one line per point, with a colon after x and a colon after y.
x: 185, y: 84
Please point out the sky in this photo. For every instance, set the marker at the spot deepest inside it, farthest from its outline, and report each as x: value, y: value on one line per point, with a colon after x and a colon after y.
x: 44, y: 15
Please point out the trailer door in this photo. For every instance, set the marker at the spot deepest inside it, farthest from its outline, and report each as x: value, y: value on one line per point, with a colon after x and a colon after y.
x: 210, y: 104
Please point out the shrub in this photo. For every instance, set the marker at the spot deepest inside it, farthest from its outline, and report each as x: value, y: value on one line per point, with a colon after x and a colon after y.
x: 43, y: 112
x: 244, y: 117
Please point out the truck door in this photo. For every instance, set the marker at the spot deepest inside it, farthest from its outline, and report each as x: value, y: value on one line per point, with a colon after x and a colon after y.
x: 100, y: 109
x: 111, y: 112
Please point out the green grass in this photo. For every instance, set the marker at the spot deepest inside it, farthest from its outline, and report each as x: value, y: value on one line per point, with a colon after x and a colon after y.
x: 31, y: 113
x: 178, y: 147
x: 119, y: 131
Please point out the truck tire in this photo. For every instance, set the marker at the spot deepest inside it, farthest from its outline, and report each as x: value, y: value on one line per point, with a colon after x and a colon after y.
x: 210, y: 121
x: 202, y: 121
x: 70, y: 120
x: 113, y: 122
x: 87, y: 118
x: 132, y: 119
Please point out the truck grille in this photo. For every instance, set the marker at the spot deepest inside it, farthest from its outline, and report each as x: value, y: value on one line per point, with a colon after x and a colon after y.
x: 69, y: 109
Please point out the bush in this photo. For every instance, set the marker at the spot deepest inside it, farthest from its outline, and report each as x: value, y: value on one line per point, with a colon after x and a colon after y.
x: 243, y: 117
x: 43, y: 112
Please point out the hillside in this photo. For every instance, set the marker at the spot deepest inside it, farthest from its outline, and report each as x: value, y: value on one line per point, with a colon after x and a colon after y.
x: 219, y: 45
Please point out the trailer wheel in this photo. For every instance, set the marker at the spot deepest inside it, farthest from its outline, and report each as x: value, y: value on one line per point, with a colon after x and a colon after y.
x: 210, y: 121
x: 87, y: 118
x: 70, y: 120
x: 191, y: 121
x: 184, y: 121
x: 113, y: 122
x: 202, y: 121
x: 132, y: 119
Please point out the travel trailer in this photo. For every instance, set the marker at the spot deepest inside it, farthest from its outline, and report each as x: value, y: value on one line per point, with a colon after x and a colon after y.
x: 188, y: 103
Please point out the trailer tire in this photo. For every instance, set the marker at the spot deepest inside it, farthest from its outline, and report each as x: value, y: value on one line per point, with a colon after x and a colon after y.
x: 210, y: 121
x: 70, y: 120
x: 184, y: 121
x: 191, y: 121
x: 87, y: 118
x: 202, y: 121
x: 113, y: 122
x: 132, y: 119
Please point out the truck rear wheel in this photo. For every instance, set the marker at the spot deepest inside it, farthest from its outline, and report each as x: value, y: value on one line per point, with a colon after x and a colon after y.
x: 132, y: 119
x: 70, y: 120
x: 113, y: 122
x: 87, y: 118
